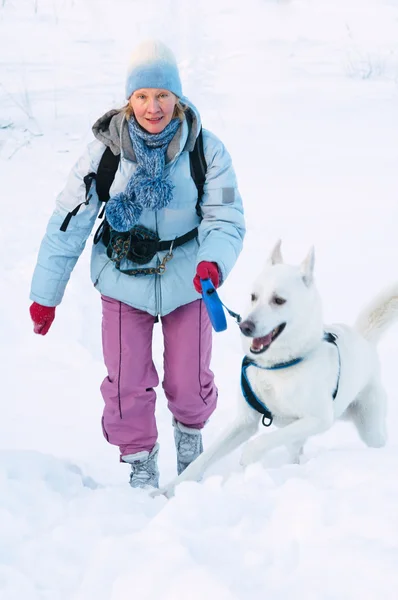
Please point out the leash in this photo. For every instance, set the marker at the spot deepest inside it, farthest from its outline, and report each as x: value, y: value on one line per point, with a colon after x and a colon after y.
x: 255, y: 402
x: 234, y: 315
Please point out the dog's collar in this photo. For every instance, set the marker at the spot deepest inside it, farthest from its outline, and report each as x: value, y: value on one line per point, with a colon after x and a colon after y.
x: 251, y: 397
x: 282, y: 365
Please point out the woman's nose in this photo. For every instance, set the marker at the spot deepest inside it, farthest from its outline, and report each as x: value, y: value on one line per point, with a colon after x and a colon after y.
x: 153, y: 105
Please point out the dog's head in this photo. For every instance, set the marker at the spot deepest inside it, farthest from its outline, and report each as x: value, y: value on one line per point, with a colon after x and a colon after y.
x: 285, y: 312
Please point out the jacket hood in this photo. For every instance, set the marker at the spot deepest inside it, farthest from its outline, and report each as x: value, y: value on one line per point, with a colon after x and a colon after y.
x: 111, y: 129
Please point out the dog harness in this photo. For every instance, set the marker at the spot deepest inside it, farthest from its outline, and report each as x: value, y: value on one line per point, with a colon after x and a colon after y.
x: 251, y: 397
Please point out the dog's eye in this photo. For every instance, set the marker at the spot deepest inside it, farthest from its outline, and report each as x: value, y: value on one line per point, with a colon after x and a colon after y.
x: 254, y: 297
x: 278, y: 300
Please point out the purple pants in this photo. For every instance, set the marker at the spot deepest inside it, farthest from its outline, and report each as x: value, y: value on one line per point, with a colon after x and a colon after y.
x: 129, y: 415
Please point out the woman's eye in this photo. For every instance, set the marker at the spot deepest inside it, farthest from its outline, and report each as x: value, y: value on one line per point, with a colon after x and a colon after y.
x: 253, y: 297
x: 278, y: 300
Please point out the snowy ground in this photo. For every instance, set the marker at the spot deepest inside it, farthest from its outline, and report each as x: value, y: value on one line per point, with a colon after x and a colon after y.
x: 304, y: 94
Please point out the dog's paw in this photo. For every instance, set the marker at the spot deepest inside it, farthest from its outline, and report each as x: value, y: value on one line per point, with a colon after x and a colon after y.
x: 166, y: 491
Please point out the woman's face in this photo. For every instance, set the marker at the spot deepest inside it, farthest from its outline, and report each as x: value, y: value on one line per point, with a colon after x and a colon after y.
x: 153, y: 108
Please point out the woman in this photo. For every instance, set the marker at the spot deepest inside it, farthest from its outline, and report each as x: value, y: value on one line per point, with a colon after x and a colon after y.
x: 152, y: 197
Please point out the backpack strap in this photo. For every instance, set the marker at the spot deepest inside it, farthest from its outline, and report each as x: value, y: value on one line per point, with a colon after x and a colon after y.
x: 198, y: 167
x: 109, y: 163
x: 104, y: 177
x: 108, y: 166
x: 106, y: 173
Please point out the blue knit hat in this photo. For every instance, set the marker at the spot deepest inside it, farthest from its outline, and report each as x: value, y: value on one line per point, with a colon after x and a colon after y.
x: 153, y: 65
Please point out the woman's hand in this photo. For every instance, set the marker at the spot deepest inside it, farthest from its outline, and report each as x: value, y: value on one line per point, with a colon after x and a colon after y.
x: 42, y: 317
x: 206, y: 270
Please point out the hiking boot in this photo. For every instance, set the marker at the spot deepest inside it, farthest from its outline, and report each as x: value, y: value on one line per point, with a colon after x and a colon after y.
x: 188, y: 443
x: 144, y: 468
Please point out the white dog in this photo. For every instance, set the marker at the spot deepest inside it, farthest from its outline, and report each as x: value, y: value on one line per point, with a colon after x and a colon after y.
x: 305, y: 378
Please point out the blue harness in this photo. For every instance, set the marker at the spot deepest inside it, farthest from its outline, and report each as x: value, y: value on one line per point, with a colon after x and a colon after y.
x: 251, y: 397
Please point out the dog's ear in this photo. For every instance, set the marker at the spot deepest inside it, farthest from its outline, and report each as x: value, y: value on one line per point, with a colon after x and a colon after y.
x: 275, y: 258
x: 307, y: 267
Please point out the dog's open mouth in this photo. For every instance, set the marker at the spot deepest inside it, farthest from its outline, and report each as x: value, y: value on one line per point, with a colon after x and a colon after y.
x: 262, y: 344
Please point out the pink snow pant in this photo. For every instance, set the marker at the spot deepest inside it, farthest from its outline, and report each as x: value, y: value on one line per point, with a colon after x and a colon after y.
x: 128, y: 391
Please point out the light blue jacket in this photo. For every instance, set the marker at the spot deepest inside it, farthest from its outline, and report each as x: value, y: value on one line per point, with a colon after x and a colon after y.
x: 220, y: 231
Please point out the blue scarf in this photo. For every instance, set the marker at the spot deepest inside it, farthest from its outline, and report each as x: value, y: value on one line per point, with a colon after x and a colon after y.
x: 146, y: 188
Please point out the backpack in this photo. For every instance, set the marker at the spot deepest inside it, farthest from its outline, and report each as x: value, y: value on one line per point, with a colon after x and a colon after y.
x: 105, y: 175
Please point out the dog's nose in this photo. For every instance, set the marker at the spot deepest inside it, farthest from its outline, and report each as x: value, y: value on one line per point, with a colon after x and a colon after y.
x: 247, y: 327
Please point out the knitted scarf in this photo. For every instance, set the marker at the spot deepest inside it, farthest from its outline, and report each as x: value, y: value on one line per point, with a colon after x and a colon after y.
x: 146, y: 188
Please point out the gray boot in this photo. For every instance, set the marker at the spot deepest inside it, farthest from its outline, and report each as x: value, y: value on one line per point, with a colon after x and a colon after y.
x: 188, y: 443
x: 144, y: 468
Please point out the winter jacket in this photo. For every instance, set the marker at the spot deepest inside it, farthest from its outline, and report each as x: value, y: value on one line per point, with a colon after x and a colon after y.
x: 220, y: 231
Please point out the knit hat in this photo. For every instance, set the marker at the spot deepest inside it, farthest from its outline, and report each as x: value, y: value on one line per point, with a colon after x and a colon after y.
x: 153, y: 65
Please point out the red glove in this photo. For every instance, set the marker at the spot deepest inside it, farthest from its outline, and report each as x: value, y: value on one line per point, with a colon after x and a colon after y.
x: 42, y: 317
x: 206, y: 270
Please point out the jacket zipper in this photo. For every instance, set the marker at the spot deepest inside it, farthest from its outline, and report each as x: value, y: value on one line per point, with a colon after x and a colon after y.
x: 157, y: 277
x: 158, y: 283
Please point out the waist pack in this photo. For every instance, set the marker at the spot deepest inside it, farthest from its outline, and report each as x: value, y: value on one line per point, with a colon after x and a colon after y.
x: 138, y: 245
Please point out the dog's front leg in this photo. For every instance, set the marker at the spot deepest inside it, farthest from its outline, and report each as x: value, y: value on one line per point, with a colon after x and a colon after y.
x: 295, y: 433
x: 295, y: 451
x: 238, y: 432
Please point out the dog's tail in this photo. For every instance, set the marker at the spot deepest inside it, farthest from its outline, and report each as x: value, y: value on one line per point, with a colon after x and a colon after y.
x: 379, y: 315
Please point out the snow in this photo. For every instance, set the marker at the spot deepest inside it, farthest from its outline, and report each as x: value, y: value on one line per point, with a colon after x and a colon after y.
x: 304, y: 95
